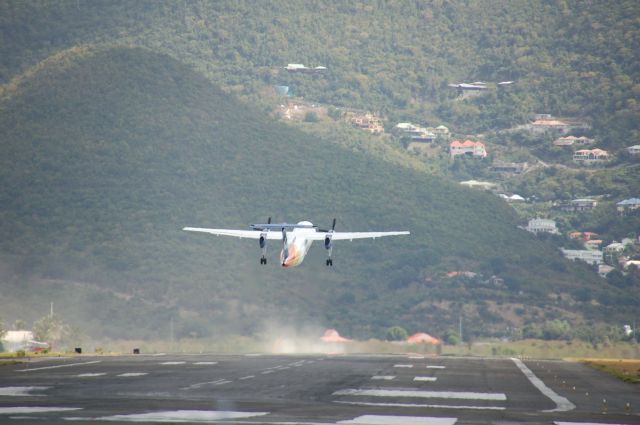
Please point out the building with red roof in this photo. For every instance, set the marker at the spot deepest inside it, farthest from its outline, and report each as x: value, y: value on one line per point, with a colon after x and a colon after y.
x: 422, y: 337
x: 468, y: 147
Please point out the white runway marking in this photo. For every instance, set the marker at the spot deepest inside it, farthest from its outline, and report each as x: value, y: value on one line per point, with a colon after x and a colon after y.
x: 562, y: 404
x: 171, y: 363
x: 416, y: 357
x: 399, y: 420
x: 33, y: 409
x: 182, y: 416
x: 131, y: 374
x: 384, y: 377
x: 223, y: 382
x: 436, y: 367
x: 247, y: 377
x: 266, y: 372
x: 20, y: 391
x: 581, y: 423
x: 457, y: 395
x: 205, y: 363
x: 409, y: 366
x: 202, y: 384
x: 57, y: 366
x: 425, y: 378
x: 89, y: 375
x: 429, y: 406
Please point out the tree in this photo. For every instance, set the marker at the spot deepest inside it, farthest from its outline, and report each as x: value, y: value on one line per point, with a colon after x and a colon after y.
x: 451, y: 337
x: 396, y: 333
x: 3, y: 331
x: 50, y: 329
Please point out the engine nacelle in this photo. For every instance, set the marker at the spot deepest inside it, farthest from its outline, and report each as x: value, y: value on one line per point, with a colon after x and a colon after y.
x: 263, y: 240
x: 327, y: 242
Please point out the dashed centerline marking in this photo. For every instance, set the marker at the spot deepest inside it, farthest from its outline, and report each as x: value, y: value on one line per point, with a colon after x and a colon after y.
x: 457, y: 395
x: 202, y: 384
x: 398, y: 420
x: 57, y: 366
x: 384, y: 377
x: 172, y: 363
x: 435, y: 367
x: 20, y: 391
x: 408, y: 366
x: 35, y: 409
x: 425, y: 378
x: 429, y: 406
x: 205, y: 363
x: 183, y: 416
x: 247, y: 377
x: 90, y: 375
x: 132, y: 374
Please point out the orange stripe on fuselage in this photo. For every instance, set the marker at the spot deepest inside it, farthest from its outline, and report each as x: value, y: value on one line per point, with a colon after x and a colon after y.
x: 294, y: 257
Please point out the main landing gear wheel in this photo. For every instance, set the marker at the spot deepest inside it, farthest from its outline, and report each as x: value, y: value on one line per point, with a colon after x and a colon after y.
x: 329, y: 262
x: 263, y: 261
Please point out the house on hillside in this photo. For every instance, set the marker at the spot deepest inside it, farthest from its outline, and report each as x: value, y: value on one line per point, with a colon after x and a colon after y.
x: 441, y: 130
x: 515, y: 198
x: 584, y: 236
x: 543, y: 126
x: 475, y: 184
x: 627, y: 205
x: 542, y: 225
x: 593, y: 244
x: 509, y: 167
x: 604, y: 270
x: 634, y: 150
x: 468, y: 148
x: 582, y: 204
x: 368, y: 122
x: 586, y: 255
x: 590, y: 156
x: 414, y: 133
x: 614, y: 248
x: 573, y: 141
x: 300, y: 68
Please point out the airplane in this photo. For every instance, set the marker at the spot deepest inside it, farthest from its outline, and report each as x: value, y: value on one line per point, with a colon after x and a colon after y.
x: 296, y: 238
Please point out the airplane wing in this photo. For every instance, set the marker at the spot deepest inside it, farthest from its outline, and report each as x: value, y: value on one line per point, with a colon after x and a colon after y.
x: 341, y: 236
x: 250, y: 234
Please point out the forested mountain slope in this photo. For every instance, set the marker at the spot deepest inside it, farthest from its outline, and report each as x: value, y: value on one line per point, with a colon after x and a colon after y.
x: 567, y: 57
x: 108, y: 152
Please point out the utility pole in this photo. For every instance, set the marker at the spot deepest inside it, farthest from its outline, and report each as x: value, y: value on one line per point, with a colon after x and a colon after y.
x: 51, y: 311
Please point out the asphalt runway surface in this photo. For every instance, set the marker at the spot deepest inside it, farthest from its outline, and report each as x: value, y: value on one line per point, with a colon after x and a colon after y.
x: 312, y: 389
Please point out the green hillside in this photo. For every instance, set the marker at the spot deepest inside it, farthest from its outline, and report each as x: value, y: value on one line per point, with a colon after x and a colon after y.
x: 569, y: 58
x: 107, y: 153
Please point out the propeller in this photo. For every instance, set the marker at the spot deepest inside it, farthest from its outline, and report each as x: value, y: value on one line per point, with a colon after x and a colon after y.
x: 333, y: 227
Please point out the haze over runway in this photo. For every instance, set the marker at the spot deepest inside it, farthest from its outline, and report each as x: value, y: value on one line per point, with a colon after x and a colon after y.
x: 312, y: 389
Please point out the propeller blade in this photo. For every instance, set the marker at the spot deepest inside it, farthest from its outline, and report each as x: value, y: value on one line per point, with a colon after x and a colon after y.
x: 269, y: 220
x: 333, y: 226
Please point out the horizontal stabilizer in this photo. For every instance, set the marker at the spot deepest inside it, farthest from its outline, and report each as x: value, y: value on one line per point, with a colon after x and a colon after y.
x: 280, y: 226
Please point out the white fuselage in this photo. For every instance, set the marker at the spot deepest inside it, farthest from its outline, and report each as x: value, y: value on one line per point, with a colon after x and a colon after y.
x: 297, y: 246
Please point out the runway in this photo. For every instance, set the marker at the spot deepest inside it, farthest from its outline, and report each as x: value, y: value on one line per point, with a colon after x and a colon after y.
x: 312, y: 389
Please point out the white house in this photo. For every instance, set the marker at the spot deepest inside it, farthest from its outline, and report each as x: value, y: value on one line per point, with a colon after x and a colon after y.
x: 586, y: 255
x: 634, y: 150
x: 542, y: 225
x: 590, y: 156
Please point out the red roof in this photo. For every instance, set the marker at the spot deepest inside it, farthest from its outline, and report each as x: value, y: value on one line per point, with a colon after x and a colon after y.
x: 465, y: 144
x: 332, y: 335
x: 423, y: 337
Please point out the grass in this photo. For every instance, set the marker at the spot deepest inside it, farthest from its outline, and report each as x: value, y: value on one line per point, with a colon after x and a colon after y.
x: 624, y: 369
